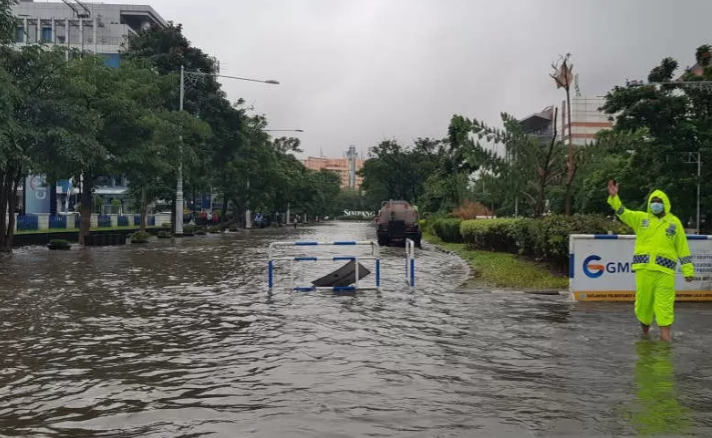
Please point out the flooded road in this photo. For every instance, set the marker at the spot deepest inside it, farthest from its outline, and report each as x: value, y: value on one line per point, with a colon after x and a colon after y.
x: 183, y: 339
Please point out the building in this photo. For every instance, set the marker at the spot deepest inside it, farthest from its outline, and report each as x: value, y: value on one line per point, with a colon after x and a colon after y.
x: 347, y: 168
x: 103, y: 29
x: 587, y: 120
x: 540, y: 124
x: 100, y: 28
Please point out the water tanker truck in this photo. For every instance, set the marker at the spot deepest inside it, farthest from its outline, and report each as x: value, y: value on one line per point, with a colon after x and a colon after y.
x: 396, y: 222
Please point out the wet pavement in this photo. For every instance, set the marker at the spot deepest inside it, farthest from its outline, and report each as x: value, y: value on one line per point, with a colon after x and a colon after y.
x: 183, y: 339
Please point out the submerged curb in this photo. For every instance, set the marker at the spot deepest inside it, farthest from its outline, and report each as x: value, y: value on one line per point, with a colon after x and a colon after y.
x: 543, y: 292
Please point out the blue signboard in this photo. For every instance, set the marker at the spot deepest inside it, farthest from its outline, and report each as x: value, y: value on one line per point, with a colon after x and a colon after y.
x: 36, y: 195
x: 112, y: 60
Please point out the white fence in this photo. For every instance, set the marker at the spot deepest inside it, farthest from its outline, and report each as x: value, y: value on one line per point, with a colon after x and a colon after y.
x: 43, y: 220
x: 374, y: 256
x: 600, y: 268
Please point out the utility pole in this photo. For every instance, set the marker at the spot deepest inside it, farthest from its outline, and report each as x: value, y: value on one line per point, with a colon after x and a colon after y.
x: 695, y: 158
x: 563, y: 76
x: 179, y: 185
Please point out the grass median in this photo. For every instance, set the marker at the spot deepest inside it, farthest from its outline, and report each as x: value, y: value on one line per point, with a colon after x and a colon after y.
x: 509, y: 271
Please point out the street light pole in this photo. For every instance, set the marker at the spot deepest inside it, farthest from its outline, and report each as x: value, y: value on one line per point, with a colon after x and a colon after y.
x: 179, y: 184
x: 283, y: 130
x: 696, y: 158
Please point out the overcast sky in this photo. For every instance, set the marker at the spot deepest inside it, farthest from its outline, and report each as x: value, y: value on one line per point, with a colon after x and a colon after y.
x: 355, y: 72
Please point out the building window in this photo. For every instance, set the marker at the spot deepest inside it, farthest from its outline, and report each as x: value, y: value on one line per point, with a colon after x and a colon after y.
x: 46, y: 34
x: 20, y: 34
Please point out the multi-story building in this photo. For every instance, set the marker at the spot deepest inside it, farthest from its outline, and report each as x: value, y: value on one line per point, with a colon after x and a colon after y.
x: 587, y: 120
x: 347, y: 169
x: 100, y: 28
x: 103, y: 29
x: 540, y: 124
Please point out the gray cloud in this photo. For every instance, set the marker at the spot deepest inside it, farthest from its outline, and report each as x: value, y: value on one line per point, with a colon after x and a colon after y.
x: 358, y: 71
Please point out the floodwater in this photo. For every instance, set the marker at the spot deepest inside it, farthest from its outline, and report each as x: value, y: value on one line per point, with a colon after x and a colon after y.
x: 182, y: 339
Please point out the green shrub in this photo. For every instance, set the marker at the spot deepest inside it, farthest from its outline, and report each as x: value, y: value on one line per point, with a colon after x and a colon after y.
x: 163, y: 234
x: 140, y: 237
x: 545, y: 239
x: 166, y: 225
x: 59, y: 244
x: 448, y: 229
x: 188, y: 229
x: 491, y: 234
x: 426, y: 226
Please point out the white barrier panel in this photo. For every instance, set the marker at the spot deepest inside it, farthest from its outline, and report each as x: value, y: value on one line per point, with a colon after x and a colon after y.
x: 375, y: 255
x: 410, y: 262
x: 600, y: 268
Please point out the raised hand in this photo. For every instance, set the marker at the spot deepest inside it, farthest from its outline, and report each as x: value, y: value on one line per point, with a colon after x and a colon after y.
x: 612, y: 188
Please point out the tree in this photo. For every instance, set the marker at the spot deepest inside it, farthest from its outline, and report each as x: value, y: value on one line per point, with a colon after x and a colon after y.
x: 396, y: 172
x: 8, y: 22
x: 677, y: 119
x: 532, y: 167
x: 563, y: 76
x: 166, y: 50
x: 610, y: 157
x: 36, y: 120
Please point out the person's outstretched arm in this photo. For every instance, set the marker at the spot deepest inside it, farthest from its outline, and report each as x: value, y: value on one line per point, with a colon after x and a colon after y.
x: 629, y: 217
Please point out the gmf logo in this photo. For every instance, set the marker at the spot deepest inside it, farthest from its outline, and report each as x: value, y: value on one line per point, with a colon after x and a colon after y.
x: 594, y: 269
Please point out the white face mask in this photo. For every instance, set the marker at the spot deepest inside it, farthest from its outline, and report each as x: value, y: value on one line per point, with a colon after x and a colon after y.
x: 657, y: 207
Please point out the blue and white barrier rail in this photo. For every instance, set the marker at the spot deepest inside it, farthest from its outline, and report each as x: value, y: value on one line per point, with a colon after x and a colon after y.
x: 375, y: 255
x: 313, y: 243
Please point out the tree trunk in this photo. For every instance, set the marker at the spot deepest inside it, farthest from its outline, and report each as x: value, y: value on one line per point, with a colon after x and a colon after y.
x: 173, y: 215
x: 9, y: 182
x: 144, y: 208
x: 572, y: 157
x: 87, y: 201
x: 52, y: 188
x: 12, y: 206
x: 545, y: 173
x: 5, y: 229
x: 224, y: 207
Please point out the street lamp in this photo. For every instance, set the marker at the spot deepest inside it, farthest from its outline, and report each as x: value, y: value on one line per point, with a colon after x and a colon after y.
x: 179, y: 185
x: 283, y: 130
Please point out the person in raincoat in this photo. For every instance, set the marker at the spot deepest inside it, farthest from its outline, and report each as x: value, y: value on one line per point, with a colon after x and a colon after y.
x: 660, y: 242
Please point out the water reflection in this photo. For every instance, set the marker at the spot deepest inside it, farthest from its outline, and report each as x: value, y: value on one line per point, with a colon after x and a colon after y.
x: 658, y: 410
x: 183, y: 339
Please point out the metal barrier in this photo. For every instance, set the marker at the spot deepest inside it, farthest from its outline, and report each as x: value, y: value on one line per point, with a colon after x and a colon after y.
x: 375, y: 255
x: 410, y: 262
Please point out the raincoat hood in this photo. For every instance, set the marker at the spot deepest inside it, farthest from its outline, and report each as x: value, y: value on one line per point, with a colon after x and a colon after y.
x: 659, y: 194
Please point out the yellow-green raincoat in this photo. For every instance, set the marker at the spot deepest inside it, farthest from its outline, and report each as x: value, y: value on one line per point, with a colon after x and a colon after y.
x: 659, y: 244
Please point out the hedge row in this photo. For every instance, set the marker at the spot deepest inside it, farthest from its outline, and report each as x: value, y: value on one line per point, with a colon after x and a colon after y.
x: 448, y: 229
x: 544, y: 239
